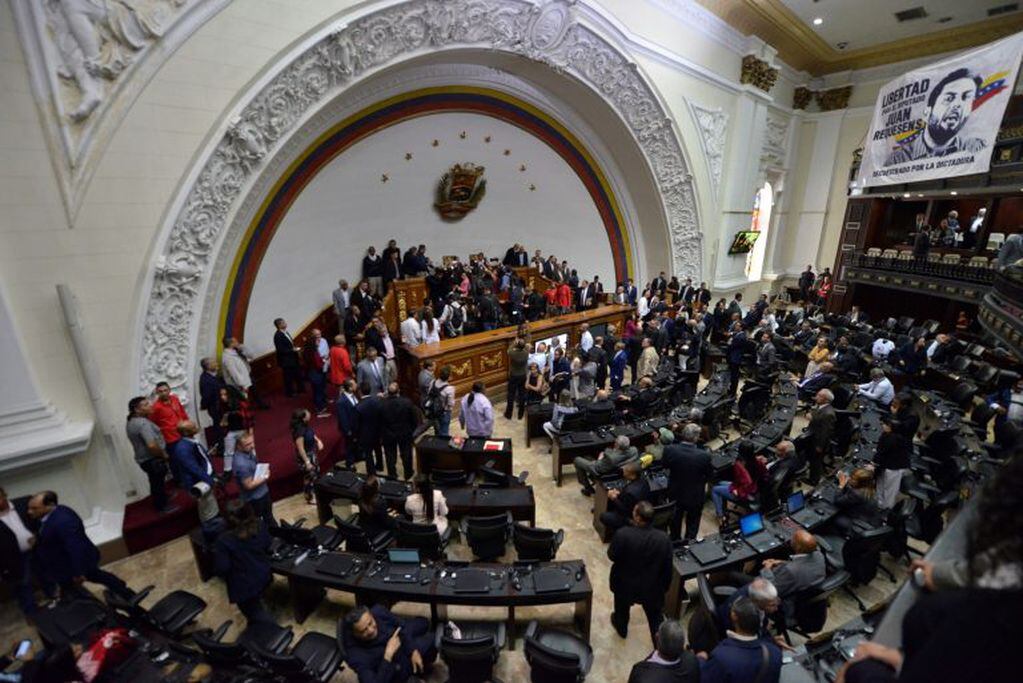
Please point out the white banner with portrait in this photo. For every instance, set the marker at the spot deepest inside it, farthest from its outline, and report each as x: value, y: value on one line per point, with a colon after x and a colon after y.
x: 942, y: 120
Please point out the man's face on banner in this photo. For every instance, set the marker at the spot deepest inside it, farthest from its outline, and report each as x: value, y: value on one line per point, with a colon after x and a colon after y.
x: 950, y: 111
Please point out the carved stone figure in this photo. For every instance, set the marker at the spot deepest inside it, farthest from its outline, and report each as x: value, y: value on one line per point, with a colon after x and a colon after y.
x: 95, y: 39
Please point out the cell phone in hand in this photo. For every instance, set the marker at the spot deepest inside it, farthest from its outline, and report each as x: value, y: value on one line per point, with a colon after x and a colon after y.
x: 23, y: 648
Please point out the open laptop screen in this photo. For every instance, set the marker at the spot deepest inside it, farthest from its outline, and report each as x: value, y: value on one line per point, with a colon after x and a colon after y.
x: 751, y: 524
x: 796, y: 502
x: 403, y: 556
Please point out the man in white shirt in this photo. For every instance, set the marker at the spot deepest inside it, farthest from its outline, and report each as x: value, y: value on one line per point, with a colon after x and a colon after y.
x: 540, y: 357
x: 970, y: 238
x: 585, y: 338
x: 879, y: 388
x: 16, y: 540
x: 235, y: 366
x: 411, y: 330
x: 881, y: 348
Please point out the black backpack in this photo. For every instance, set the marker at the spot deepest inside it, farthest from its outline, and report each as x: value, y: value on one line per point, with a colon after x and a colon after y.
x: 457, y: 318
x: 434, y: 404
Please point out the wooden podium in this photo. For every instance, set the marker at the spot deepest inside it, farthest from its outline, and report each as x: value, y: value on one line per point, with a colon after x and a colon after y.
x: 484, y: 356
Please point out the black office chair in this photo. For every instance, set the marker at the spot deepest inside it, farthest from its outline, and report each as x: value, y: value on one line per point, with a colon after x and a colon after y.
x: 985, y: 374
x: 295, y: 533
x: 487, y: 536
x: 573, y: 422
x: 258, y: 637
x: 442, y: 478
x: 356, y: 539
x: 961, y: 364
x: 810, y: 611
x: 315, y: 658
x: 533, y: 544
x: 69, y: 621
x: 860, y: 555
x: 556, y: 656
x: 980, y: 418
x: 663, y: 514
x: 930, y: 518
x: 962, y: 395
x: 471, y: 658
x: 898, y: 518
x: 423, y: 537
x: 170, y: 614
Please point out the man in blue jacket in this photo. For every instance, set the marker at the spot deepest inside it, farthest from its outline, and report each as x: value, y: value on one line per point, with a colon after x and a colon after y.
x: 348, y: 421
x: 743, y: 655
x: 64, y: 554
x: 383, y: 648
x: 194, y: 467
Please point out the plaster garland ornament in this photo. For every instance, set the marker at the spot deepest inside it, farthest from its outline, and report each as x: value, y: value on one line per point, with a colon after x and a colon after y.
x: 548, y: 33
x: 712, y: 125
x: 758, y: 73
x: 773, y: 152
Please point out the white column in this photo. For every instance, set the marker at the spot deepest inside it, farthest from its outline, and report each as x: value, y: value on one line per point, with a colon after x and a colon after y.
x: 32, y: 431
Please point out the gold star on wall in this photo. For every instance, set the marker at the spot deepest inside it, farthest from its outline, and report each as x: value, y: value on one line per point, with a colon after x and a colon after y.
x: 408, y: 156
x: 384, y: 178
x: 507, y: 152
x: 522, y: 168
x: 532, y: 187
x: 462, y: 135
x: 487, y: 139
x: 436, y: 143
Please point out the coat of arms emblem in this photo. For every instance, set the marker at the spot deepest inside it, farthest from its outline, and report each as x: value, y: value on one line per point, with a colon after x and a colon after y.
x: 460, y: 191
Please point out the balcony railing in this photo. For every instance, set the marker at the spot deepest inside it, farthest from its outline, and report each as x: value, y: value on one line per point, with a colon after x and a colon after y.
x: 1001, y: 312
x: 946, y: 275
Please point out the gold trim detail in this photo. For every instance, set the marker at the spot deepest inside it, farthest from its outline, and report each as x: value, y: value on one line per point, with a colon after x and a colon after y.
x: 758, y: 73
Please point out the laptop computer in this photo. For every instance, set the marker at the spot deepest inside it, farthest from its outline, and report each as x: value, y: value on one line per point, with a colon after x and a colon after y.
x: 472, y: 581
x: 404, y: 565
x: 752, y: 528
x: 707, y: 552
x: 336, y: 565
x: 551, y: 580
x: 798, y: 512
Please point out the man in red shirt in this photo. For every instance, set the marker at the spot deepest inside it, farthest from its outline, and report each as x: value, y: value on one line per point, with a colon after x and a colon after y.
x: 551, y: 296
x: 167, y: 413
x: 564, y: 298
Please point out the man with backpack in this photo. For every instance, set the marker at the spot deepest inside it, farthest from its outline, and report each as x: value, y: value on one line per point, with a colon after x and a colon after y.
x: 440, y: 401
x: 453, y: 317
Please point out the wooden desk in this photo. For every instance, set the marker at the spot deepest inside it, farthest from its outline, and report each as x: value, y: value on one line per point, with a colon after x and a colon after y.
x: 484, y: 356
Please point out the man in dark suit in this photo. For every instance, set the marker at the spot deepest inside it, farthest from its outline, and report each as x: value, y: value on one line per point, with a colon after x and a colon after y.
x: 818, y: 433
x: 670, y: 662
x: 64, y: 554
x: 689, y: 470
x: 743, y: 655
x: 193, y: 464
x: 640, y: 570
x: 287, y: 358
x: 398, y: 424
x: 622, y: 501
x: 703, y: 294
x: 348, y: 420
x: 631, y: 293
x: 368, y: 421
x: 736, y: 348
x: 17, y: 536
x: 210, y: 384
x: 598, y: 355
x: 381, y: 647
x: 822, y: 379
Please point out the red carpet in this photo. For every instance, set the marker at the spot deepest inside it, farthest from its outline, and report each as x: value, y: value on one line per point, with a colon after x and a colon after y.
x: 143, y: 528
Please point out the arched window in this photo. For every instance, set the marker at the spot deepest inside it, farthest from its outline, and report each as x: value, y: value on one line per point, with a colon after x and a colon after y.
x: 760, y: 222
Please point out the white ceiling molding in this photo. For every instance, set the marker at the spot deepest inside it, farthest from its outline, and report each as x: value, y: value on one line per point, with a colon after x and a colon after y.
x: 341, y: 54
x: 713, y: 127
x: 87, y: 63
x: 694, y: 14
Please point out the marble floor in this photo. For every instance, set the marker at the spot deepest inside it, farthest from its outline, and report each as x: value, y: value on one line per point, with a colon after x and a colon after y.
x: 171, y: 567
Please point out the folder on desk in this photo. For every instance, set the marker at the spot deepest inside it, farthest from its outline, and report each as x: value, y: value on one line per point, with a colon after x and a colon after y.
x: 490, y: 445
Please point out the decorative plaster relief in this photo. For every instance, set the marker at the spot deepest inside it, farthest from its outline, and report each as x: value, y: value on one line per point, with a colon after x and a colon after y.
x: 773, y: 152
x: 82, y: 53
x: 713, y: 125
x: 549, y: 33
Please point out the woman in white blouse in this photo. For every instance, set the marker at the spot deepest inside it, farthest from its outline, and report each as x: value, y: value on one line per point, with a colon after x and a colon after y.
x: 430, y: 326
x: 427, y: 506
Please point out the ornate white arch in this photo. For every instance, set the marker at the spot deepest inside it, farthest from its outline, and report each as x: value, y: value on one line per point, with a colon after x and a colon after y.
x: 556, y: 33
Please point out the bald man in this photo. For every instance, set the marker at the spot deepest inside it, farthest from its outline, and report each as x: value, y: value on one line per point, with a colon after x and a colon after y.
x: 803, y: 570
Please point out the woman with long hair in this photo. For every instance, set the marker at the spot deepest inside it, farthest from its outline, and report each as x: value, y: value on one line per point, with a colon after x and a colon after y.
x: 236, y: 419
x: 427, y: 505
x: 307, y: 449
x: 536, y: 388
x: 748, y: 474
x: 430, y: 326
x: 373, y: 516
x: 242, y: 558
